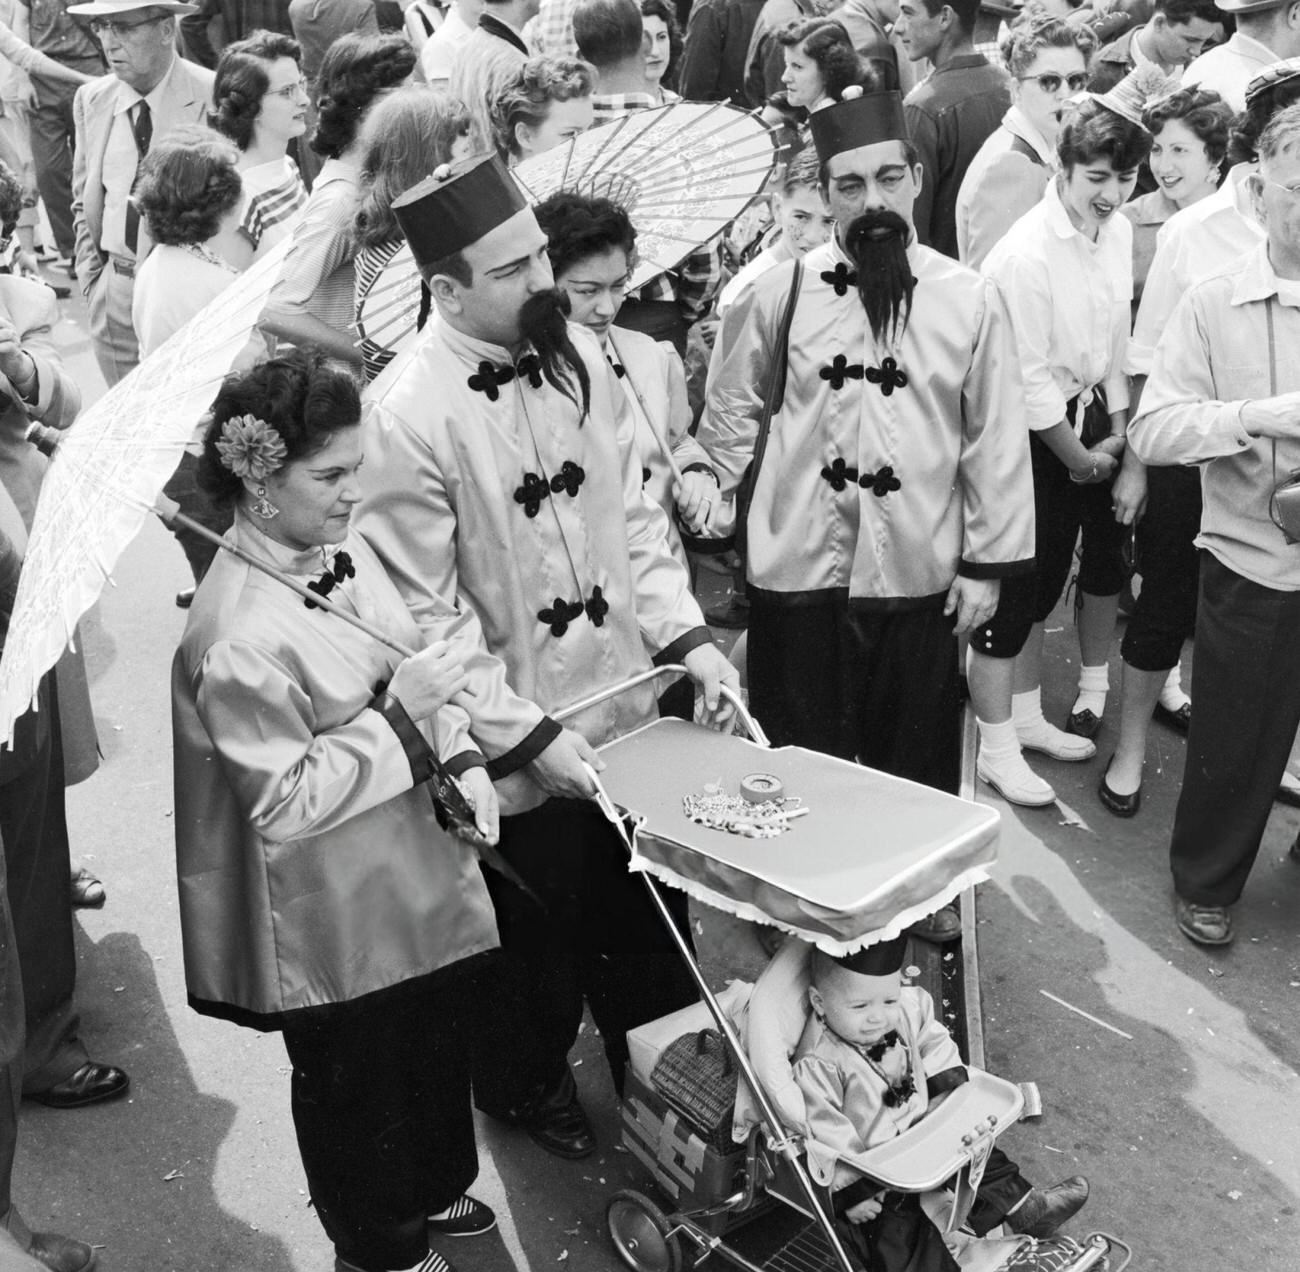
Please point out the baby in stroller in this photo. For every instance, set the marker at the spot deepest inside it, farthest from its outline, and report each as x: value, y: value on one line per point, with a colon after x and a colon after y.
x: 872, y: 1061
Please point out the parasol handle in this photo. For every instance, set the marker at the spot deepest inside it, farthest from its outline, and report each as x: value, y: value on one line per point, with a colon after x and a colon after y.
x: 169, y: 512
x: 43, y: 437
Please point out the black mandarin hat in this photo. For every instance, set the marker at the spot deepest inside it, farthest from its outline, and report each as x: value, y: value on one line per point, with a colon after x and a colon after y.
x: 881, y: 959
x: 455, y: 206
x: 857, y: 121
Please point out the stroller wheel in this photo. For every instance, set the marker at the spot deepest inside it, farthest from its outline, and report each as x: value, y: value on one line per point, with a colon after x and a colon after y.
x: 641, y: 1233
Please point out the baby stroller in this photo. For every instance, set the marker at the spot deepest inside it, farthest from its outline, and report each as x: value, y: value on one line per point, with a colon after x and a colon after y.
x: 872, y: 854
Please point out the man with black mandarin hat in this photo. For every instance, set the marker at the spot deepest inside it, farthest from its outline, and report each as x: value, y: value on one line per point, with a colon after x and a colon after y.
x: 891, y: 493
x: 502, y: 475
x: 873, y: 1060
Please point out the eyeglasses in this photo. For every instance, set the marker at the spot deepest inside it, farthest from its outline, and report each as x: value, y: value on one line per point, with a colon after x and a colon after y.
x: 296, y: 89
x: 1050, y: 82
x: 117, y: 28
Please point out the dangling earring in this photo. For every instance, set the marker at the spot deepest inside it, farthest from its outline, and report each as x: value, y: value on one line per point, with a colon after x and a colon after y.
x: 264, y: 508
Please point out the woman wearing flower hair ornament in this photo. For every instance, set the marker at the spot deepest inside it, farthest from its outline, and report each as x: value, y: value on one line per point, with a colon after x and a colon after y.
x: 319, y: 895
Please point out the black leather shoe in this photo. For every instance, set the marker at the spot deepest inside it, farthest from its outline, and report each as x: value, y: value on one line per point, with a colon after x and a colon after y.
x: 1204, y: 924
x: 1044, y: 1210
x: 1120, y: 805
x: 89, y: 1085
x: 61, y: 1254
x: 939, y: 928
x: 185, y: 598
x: 558, y: 1123
x: 1180, y: 719
x: 1087, y: 724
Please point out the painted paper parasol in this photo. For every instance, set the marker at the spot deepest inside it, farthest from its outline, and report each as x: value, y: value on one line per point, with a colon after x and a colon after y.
x: 110, y: 467
x: 682, y: 171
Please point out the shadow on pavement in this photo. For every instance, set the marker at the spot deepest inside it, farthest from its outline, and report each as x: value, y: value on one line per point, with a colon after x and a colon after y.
x: 137, y: 1176
x: 1188, y: 1128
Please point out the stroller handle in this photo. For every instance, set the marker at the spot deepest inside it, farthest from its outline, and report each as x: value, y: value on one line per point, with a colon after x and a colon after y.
x: 747, y: 721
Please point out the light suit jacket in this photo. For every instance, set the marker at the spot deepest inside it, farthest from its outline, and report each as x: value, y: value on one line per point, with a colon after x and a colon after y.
x: 185, y: 101
x: 33, y: 310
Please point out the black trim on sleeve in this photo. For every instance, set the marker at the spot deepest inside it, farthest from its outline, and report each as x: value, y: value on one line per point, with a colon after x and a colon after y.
x: 525, y: 752
x: 678, y: 649
x: 706, y: 547
x: 996, y: 569
x: 462, y: 761
x: 699, y: 466
x: 859, y: 1190
x: 947, y: 1080
x: 412, y: 740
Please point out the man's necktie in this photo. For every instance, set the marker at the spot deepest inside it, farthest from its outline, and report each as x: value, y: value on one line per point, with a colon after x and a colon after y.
x: 142, y: 131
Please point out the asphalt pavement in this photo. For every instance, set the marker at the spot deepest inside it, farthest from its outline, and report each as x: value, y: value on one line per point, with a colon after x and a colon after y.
x: 1168, y: 1073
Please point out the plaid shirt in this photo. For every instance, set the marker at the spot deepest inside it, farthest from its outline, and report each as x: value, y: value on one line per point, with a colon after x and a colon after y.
x: 693, y: 284
x: 550, y: 33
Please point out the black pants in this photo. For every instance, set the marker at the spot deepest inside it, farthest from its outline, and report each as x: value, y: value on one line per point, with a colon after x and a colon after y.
x: 1247, y: 697
x: 183, y: 487
x: 1062, y: 509
x: 1165, y: 614
x: 877, y: 687
x: 381, y: 1106
x: 599, y: 939
x: 38, y: 873
x: 903, y: 1239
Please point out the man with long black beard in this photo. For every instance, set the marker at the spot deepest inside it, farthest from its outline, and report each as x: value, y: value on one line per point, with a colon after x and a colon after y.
x: 891, y: 492
x: 501, y: 475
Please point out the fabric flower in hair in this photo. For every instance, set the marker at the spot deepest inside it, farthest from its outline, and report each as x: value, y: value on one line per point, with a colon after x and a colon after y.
x: 250, y: 447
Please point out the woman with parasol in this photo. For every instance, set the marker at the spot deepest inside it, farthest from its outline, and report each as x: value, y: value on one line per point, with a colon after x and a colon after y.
x: 319, y: 896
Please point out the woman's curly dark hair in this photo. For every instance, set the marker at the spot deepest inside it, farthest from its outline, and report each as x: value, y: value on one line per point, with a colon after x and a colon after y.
x: 1248, y: 127
x: 828, y: 44
x: 299, y: 395
x: 356, y: 68
x: 242, y: 81
x: 405, y: 138
x: 1204, y: 113
x: 527, y: 98
x: 577, y: 227
x: 663, y: 10
x: 188, y: 181
x: 1093, y: 131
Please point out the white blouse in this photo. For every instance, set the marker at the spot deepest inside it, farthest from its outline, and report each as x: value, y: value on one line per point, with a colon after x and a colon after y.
x: 1069, y: 300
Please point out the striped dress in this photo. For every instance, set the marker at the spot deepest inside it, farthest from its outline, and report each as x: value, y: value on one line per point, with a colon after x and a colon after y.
x: 273, y: 192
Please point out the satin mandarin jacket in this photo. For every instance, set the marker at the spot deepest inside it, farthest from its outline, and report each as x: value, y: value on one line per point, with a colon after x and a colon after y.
x: 508, y: 503
x: 879, y: 497
x: 311, y: 870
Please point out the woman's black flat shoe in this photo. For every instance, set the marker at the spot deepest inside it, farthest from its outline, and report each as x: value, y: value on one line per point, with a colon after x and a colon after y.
x: 1120, y: 805
x: 1180, y: 719
x: 1086, y: 724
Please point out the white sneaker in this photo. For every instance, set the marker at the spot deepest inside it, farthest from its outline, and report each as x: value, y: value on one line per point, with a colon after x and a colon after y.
x: 1014, y: 780
x: 1047, y: 738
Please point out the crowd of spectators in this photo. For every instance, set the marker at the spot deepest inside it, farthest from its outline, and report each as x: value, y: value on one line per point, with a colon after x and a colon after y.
x: 1110, y: 166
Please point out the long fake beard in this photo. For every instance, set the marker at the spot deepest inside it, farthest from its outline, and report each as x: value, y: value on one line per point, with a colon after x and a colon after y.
x: 876, y: 242
x: 543, y: 320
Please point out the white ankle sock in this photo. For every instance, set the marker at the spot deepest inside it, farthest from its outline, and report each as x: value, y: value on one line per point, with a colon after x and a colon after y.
x: 997, y: 740
x: 1094, y: 683
x: 1172, y: 697
x: 1027, y: 708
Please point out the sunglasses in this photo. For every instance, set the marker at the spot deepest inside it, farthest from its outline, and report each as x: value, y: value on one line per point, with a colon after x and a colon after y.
x: 1050, y: 82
